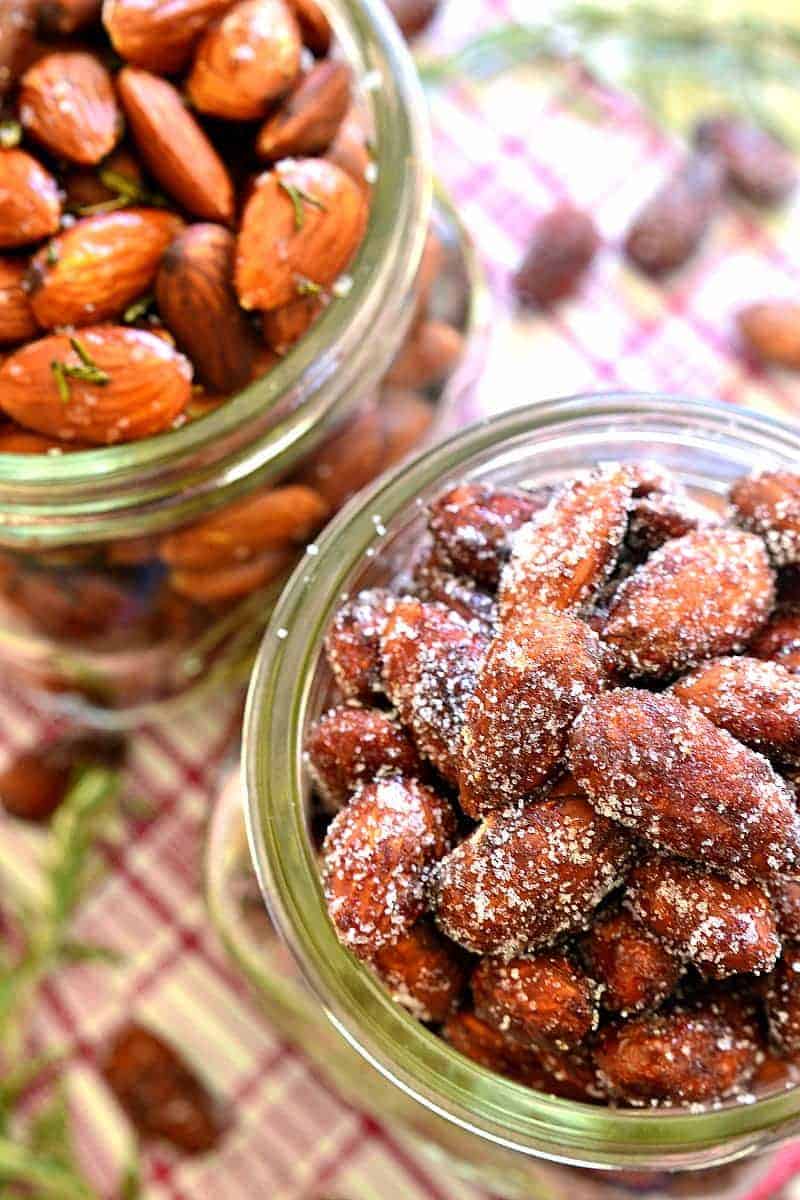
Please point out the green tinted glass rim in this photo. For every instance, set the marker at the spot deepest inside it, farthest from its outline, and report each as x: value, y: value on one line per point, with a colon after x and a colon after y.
x: 402, y: 1049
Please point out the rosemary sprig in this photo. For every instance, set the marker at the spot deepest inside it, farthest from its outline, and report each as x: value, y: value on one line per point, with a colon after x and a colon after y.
x: 10, y: 133
x: 650, y: 48
x: 88, y: 371
x: 298, y: 195
x: 307, y: 287
x: 126, y: 191
x: 138, y: 309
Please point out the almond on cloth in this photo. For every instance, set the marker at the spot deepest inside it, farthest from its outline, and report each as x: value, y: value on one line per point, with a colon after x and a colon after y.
x: 31, y: 207
x: 671, y: 226
x: 771, y: 331
x: 472, y: 525
x: 724, y: 928
x: 158, y: 34
x: 195, y: 298
x: 700, y: 596
x: 526, y: 876
x: 245, y: 60
x: 633, y: 970
x: 308, y: 119
x: 560, y: 252
x: 17, y: 321
x: 174, y: 147
x: 536, y: 677
x: 757, y: 164
x: 423, y: 971
x: 303, y: 222
x: 378, y: 855
x: 543, y: 999
x: 666, y: 773
x: 348, y: 746
x: 108, y: 385
x: 758, y: 702
x: 93, y: 270
x: 769, y: 504
x: 67, y: 102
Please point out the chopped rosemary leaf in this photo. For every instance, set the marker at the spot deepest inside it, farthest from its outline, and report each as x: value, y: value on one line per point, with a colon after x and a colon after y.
x: 138, y: 309
x: 128, y: 190
x: 307, y: 287
x: 51, y: 254
x: 62, y: 383
x: 87, y: 372
x: 297, y: 195
x: 10, y: 133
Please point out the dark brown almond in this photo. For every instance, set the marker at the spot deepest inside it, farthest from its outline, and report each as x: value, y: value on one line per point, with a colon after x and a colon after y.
x: 657, y: 518
x: 472, y: 526
x: 540, y: 1000
x: 779, y: 639
x: 17, y: 28
x: 93, y: 270
x: 246, y: 60
x: 174, y: 147
x: 158, y: 34
x: 563, y: 245
x: 413, y: 16
x: 314, y: 26
x: 31, y: 208
x: 352, y: 644
x: 768, y: 504
x: 59, y: 18
x: 35, y: 782
x: 423, y: 971
x: 17, y: 322
x: 307, y: 120
x: 196, y: 301
x: 67, y: 103
x: 671, y: 226
x: 757, y: 164
x: 348, y: 746
x: 634, y: 971
x: 782, y: 998
x: 664, y: 771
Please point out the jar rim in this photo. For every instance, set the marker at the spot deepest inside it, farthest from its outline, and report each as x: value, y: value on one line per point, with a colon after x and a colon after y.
x: 421, y: 1064
x: 61, y: 492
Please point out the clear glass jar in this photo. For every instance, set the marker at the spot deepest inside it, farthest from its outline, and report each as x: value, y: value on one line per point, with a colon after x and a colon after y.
x: 507, y: 1137
x: 95, y: 616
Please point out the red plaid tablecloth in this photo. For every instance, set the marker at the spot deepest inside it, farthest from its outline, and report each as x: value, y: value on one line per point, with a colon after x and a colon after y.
x: 507, y: 151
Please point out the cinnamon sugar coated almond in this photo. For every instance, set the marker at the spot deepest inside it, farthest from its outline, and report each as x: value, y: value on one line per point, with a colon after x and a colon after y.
x: 578, y: 766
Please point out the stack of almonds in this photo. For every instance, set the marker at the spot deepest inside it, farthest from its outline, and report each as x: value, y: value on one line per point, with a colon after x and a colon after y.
x: 182, y: 189
x: 562, y: 771
x: 730, y: 156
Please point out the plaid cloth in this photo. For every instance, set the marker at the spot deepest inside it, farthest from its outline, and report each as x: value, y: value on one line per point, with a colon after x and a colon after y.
x: 507, y: 150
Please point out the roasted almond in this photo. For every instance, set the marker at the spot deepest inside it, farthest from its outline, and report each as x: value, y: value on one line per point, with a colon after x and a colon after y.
x: 14, y: 440
x: 17, y: 322
x: 560, y: 252
x: 632, y: 967
x: 283, y: 327
x: 473, y: 524
x: 771, y: 331
x: 196, y: 300
x: 31, y: 208
x: 431, y: 353
x: 406, y: 419
x: 246, y: 60
x: 158, y: 34
x: 350, y: 745
x: 110, y: 384
x: 174, y: 147
x: 542, y: 999
x: 307, y: 120
x: 96, y: 268
x: 304, y: 221
x: 247, y: 528
x: 220, y: 584
x: 314, y: 26
x: 84, y: 188
x: 349, y: 459
x: 17, y: 27
x: 673, y: 223
x: 768, y: 503
x: 758, y: 165
x: 58, y: 18
x: 423, y: 971
x: 67, y: 103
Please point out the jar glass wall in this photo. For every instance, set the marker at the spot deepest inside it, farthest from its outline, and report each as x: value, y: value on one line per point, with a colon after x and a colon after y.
x: 500, y: 1130
x: 107, y: 606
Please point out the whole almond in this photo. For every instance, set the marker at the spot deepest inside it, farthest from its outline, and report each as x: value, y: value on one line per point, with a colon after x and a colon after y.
x: 62, y: 17
x: 96, y: 268
x: 758, y: 164
x: 307, y: 121
x: 771, y: 331
x: 147, y: 385
x: 84, y: 188
x: 17, y: 322
x: 303, y: 222
x: 196, y: 300
x: 673, y: 222
x: 219, y: 584
x: 30, y: 208
x: 174, y: 147
x: 429, y: 355
x: 283, y: 327
x: 413, y: 15
x: 17, y: 27
x: 158, y: 34
x: 314, y: 26
x: 246, y: 60
x: 67, y: 103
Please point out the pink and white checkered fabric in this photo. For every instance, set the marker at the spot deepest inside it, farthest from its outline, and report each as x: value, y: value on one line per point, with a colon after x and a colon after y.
x: 507, y: 151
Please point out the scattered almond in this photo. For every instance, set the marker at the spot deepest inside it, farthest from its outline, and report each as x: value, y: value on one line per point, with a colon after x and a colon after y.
x: 31, y: 207
x: 158, y: 34
x: 307, y: 120
x: 67, y: 103
x: 758, y: 165
x: 673, y: 223
x: 561, y: 250
x: 17, y: 322
x: 771, y: 331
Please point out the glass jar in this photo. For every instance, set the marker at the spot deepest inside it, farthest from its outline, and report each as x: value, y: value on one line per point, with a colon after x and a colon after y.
x: 507, y: 1137
x: 103, y: 610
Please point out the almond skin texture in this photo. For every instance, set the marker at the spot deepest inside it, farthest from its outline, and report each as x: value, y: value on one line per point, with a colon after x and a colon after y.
x: 307, y: 121
x: 657, y: 518
x: 534, y: 681
x: 282, y: 243
x: 96, y: 268
x: 148, y: 386
x: 423, y: 971
x: 472, y: 526
x: 672, y: 777
x: 17, y: 29
x: 158, y: 34
x: 217, y: 585
x: 378, y: 855
x: 779, y: 640
x: 492, y: 1049
x: 562, y: 247
x: 347, y: 460
x: 174, y: 147
x: 631, y: 966
x: 352, y: 644
x: 677, y: 1058
x: 769, y: 504
x: 429, y: 660
x: 459, y: 593
x: 724, y: 928
x: 542, y: 1000
x: 30, y: 207
x: 431, y: 353
x: 566, y: 553
x: 247, y: 59
x: 786, y: 901
x: 283, y: 327
x: 67, y: 103
x: 700, y: 596
x: 782, y: 997
x: 62, y: 17
x: 348, y: 746
x: 771, y: 331
x: 196, y: 301
x: 526, y: 876
x: 671, y: 226
x: 314, y: 26
x: 17, y: 322
x: 239, y: 531
x: 758, y: 702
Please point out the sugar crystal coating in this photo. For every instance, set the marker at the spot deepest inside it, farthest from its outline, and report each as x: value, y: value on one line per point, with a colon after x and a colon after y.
x: 768, y: 504
x: 472, y: 526
x: 423, y: 971
x: 540, y: 1000
x: 352, y: 646
x: 632, y: 968
x: 782, y: 999
x: 350, y: 745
